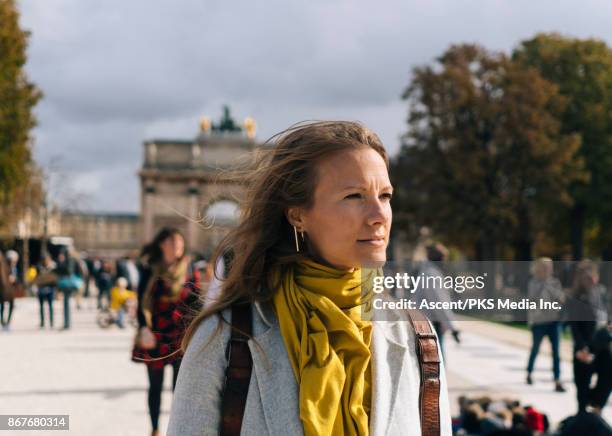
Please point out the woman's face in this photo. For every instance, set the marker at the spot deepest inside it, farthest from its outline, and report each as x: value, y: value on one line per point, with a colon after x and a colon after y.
x: 348, y: 225
x: 172, y: 248
x: 589, y: 278
x: 543, y: 270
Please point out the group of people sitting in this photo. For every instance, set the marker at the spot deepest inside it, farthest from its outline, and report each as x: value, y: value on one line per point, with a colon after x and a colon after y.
x: 484, y: 416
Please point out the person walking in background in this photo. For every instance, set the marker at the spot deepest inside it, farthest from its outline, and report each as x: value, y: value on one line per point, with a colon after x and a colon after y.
x: 6, y: 292
x: 544, y: 286
x: 82, y: 273
x: 133, y: 275
x: 590, y: 323
x: 442, y: 319
x: 89, y: 265
x: 121, y: 270
x: 94, y: 270
x: 69, y: 280
x: 46, y: 281
x: 167, y: 297
x: 104, y: 284
x: 127, y: 269
x: 12, y: 257
x: 83, y: 267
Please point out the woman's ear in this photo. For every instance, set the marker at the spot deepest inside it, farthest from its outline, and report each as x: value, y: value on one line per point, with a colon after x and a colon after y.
x: 295, y: 217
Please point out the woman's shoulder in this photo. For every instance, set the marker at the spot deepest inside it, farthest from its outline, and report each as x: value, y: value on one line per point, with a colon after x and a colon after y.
x: 211, y: 334
x: 197, y: 396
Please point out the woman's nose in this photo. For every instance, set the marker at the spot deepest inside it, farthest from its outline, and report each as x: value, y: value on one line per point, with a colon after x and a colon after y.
x: 378, y: 212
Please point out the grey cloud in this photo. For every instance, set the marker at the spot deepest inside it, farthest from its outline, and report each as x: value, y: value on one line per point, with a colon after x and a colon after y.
x: 115, y: 73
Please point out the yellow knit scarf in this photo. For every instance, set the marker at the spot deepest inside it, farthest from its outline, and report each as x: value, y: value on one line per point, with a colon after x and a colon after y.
x: 328, y: 343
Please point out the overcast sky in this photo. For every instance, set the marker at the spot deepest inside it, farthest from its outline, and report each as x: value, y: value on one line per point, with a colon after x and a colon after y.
x: 116, y: 73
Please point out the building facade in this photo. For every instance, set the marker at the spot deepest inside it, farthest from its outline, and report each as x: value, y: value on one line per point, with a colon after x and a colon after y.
x: 185, y: 183
x: 102, y: 234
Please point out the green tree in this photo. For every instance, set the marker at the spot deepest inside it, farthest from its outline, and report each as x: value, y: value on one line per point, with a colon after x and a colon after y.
x: 483, y: 153
x: 17, y: 98
x: 582, y: 70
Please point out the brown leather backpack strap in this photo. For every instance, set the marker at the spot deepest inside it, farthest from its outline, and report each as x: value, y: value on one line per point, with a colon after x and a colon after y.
x: 238, y: 371
x: 429, y: 362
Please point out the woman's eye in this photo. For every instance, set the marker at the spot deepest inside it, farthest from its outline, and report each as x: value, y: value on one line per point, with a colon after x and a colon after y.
x: 356, y: 195
x: 386, y: 195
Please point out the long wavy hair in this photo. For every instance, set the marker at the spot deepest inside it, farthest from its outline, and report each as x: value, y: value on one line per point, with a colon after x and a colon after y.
x: 152, y: 252
x: 284, y: 175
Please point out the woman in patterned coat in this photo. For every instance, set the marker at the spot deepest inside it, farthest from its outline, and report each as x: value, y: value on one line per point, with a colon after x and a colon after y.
x: 168, y: 295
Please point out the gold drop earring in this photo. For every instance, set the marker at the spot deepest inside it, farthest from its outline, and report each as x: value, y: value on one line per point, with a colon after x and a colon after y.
x: 297, y: 244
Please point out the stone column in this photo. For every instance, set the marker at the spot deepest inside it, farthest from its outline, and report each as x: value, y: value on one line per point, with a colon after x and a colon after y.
x: 148, y: 212
x: 193, y: 242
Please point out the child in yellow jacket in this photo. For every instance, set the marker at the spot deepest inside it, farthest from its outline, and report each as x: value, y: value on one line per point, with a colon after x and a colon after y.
x: 121, y: 297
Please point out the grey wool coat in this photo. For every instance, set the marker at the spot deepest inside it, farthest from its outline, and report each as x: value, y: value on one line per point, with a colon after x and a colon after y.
x: 272, y: 406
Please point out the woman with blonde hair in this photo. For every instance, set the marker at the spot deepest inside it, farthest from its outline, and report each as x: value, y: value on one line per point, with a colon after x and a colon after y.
x: 284, y: 349
x: 543, y: 286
